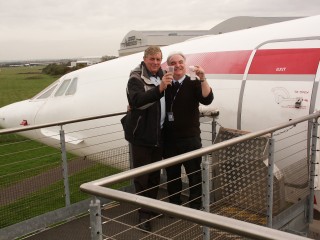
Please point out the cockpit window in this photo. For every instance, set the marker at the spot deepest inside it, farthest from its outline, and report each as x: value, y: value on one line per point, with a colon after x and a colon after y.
x: 47, y: 93
x: 73, y: 87
x: 62, y: 89
x: 66, y: 88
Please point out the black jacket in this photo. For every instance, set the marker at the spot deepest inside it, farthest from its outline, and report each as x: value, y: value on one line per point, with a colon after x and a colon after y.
x: 143, y: 120
x: 185, y: 108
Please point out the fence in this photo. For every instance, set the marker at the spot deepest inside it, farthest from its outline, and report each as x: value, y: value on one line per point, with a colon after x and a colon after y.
x: 40, y: 178
x: 253, y: 177
x: 40, y: 184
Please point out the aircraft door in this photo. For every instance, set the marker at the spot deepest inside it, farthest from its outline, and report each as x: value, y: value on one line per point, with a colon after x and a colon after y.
x: 279, y: 87
x: 316, y: 107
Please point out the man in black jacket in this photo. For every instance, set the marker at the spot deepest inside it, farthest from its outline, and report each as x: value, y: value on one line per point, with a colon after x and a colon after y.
x: 182, y: 127
x: 145, y: 92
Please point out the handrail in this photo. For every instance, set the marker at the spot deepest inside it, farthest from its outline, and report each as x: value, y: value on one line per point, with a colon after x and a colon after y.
x: 98, y: 188
x: 204, y: 110
x: 59, y: 123
x: 203, y: 218
x: 190, y: 155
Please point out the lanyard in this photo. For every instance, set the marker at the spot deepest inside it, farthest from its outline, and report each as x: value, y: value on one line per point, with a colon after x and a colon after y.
x: 174, y: 97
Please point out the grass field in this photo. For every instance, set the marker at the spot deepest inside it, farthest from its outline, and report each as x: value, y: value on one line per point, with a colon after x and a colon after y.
x: 22, y: 159
x: 20, y: 83
x: 17, y: 84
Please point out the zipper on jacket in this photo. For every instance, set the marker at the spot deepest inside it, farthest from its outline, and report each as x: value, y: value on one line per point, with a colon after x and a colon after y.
x: 158, y: 123
x: 134, y: 130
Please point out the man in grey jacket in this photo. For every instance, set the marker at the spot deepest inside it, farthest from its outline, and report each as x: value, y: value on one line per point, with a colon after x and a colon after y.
x: 145, y: 93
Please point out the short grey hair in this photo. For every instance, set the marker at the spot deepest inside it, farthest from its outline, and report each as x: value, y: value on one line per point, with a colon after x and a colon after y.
x: 175, y: 53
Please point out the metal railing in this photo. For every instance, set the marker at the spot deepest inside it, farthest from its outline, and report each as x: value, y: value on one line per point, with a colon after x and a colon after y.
x: 99, y: 187
x: 41, y: 183
x: 15, y: 193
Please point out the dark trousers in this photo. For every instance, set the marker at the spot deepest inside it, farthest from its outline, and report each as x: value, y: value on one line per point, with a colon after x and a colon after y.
x: 192, y: 167
x: 146, y: 185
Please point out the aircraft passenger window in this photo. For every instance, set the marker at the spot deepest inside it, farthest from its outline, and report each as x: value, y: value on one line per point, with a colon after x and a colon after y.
x: 73, y: 87
x: 47, y: 93
x: 61, y: 90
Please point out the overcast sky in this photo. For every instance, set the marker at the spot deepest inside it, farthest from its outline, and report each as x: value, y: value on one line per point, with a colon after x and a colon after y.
x: 53, y: 29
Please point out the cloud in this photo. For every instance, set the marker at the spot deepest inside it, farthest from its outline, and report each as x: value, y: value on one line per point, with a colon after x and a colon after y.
x: 36, y: 29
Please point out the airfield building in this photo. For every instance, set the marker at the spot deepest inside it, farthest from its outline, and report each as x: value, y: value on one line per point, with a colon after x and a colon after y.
x: 86, y: 61
x: 138, y: 41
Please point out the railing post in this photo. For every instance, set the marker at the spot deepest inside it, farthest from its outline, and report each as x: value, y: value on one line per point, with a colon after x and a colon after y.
x: 95, y: 219
x: 131, y: 162
x: 64, y: 167
x: 270, y: 182
x: 214, y: 129
x: 130, y: 155
x: 313, y: 167
x: 206, y: 192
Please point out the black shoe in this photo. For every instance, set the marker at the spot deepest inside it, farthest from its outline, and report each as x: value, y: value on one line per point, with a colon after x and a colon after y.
x: 176, y: 202
x: 196, y: 206
x: 144, y: 224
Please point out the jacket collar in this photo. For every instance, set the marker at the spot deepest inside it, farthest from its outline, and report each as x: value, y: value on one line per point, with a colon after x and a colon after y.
x: 144, y: 74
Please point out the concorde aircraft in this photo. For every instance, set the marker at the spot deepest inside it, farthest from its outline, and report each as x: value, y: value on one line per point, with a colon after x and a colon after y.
x: 260, y: 77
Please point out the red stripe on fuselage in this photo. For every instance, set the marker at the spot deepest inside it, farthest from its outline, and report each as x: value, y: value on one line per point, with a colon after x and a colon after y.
x: 219, y: 62
x: 285, y: 61
x: 267, y: 61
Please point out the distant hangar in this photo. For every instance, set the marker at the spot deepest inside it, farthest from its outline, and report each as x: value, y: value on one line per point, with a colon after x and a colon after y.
x: 138, y: 41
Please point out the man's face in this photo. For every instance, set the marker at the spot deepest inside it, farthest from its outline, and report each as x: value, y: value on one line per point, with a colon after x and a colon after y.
x: 153, y: 62
x: 179, y: 66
